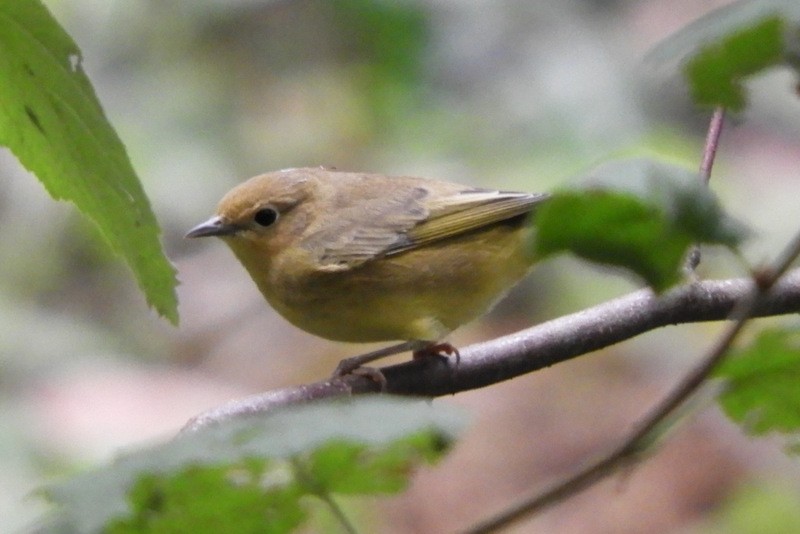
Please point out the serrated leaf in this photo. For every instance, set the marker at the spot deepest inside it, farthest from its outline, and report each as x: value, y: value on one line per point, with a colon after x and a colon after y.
x: 639, y: 215
x: 52, y: 121
x: 727, y: 45
x: 210, y: 499
x: 718, y: 24
x: 761, y: 391
x: 376, y: 427
x: 715, y: 74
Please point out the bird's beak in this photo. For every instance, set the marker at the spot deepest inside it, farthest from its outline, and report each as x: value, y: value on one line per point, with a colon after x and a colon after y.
x: 214, y: 226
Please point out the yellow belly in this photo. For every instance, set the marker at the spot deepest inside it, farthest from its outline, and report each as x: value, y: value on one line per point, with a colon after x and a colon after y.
x: 421, y: 294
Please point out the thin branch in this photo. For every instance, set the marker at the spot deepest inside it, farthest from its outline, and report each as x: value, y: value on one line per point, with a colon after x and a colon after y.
x: 534, y: 348
x: 712, y: 142
x: 707, y: 163
x: 763, y: 282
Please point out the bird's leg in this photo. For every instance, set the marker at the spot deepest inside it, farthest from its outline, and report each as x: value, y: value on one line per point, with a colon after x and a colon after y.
x: 348, y: 365
x: 420, y: 349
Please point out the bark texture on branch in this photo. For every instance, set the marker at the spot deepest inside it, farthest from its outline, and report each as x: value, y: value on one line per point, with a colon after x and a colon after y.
x: 543, y: 345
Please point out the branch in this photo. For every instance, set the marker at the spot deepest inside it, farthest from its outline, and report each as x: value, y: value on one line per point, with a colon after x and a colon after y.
x: 712, y: 143
x: 528, y: 350
x: 709, y: 154
x: 647, y: 429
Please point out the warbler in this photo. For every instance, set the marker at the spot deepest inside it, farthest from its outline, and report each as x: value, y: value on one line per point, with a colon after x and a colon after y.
x: 365, y: 257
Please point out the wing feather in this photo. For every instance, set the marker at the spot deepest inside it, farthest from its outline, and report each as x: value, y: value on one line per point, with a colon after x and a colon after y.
x: 466, y: 212
x: 413, y: 217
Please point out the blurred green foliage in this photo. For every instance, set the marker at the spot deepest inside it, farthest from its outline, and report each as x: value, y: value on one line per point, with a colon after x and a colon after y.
x: 385, y: 43
x: 761, y: 392
x: 259, y: 470
x: 758, y: 508
x: 716, y: 73
x: 639, y: 215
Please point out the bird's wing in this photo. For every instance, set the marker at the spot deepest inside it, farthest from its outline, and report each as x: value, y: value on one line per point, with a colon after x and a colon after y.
x: 411, y: 218
x: 467, y: 211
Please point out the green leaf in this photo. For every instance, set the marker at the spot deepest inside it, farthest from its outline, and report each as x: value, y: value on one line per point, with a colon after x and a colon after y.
x: 351, y: 468
x: 211, y: 499
x: 636, y: 214
x: 52, y: 121
x: 615, y: 229
x: 761, y: 391
x: 715, y: 74
x: 729, y: 44
x: 382, y: 435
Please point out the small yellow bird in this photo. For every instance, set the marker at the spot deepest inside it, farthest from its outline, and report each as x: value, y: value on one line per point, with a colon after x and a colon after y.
x: 365, y: 257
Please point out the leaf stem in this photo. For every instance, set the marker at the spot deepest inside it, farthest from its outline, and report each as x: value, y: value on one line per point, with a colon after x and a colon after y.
x: 338, y: 513
x: 707, y: 163
x: 314, y: 488
x: 712, y: 142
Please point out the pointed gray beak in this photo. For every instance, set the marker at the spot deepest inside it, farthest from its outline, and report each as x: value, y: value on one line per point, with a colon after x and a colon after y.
x: 214, y: 226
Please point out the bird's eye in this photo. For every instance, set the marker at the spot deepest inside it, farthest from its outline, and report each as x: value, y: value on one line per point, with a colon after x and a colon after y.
x: 265, y: 216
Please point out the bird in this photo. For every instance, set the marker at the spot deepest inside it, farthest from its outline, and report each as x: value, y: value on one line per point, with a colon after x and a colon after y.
x: 364, y: 257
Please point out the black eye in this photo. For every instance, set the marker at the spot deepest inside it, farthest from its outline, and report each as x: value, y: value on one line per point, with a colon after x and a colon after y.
x: 265, y: 216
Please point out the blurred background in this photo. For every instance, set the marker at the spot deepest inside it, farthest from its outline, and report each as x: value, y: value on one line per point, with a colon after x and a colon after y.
x: 512, y: 94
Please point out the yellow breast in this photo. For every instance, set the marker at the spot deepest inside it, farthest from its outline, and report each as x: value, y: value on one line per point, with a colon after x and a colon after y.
x: 420, y: 294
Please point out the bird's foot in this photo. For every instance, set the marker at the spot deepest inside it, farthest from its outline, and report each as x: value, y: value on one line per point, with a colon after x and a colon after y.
x: 440, y: 350
x: 355, y: 364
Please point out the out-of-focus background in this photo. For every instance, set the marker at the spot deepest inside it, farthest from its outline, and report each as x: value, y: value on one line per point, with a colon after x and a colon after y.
x: 512, y: 94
